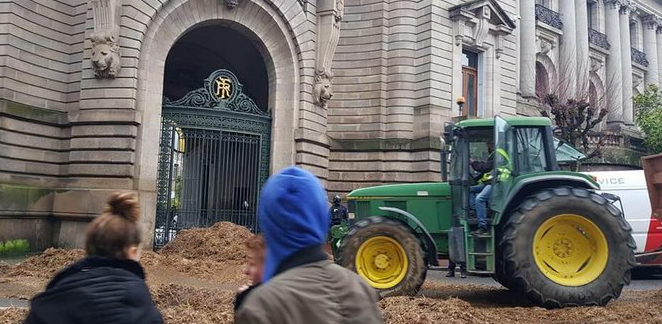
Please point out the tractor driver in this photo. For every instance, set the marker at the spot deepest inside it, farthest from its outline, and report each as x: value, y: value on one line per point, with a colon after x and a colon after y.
x: 480, y: 192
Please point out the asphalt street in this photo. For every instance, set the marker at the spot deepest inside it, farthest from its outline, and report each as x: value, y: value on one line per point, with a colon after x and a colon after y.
x: 645, y: 281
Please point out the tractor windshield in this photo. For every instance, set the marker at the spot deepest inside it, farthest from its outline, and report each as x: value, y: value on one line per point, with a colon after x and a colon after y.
x: 530, y: 155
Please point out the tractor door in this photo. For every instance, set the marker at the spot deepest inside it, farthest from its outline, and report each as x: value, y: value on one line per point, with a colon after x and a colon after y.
x: 459, y: 177
x: 504, y: 151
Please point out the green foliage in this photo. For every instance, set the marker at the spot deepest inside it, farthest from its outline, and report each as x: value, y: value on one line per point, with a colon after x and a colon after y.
x: 648, y: 110
x: 14, y: 247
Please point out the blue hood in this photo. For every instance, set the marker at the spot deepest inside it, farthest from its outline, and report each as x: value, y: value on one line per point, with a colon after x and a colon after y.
x: 292, y: 214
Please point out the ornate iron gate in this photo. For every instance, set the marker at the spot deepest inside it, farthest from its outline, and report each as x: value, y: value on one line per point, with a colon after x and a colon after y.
x: 213, y: 158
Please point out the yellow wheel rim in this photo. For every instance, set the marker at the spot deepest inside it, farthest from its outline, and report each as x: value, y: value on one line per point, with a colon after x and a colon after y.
x: 570, y: 250
x: 382, y: 262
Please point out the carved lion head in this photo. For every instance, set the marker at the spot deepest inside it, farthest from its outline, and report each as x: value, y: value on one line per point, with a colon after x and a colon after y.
x: 105, y: 56
x: 322, y: 88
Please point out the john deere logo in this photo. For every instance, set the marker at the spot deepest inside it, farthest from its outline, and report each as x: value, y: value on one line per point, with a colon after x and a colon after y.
x: 223, y: 87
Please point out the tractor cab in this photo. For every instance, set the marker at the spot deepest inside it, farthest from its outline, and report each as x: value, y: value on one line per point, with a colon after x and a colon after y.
x: 512, y: 148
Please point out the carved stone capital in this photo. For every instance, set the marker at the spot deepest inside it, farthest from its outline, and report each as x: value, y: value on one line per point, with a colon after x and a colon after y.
x: 614, y: 4
x: 106, y: 60
x: 627, y: 8
x: 322, y: 91
x: 651, y: 22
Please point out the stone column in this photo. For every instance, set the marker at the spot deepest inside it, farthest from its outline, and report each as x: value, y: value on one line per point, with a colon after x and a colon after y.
x: 614, y: 72
x: 527, y: 43
x: 650, y: 48
x: 626, y: 63
x: 583, y: 63
x: 568, y: 56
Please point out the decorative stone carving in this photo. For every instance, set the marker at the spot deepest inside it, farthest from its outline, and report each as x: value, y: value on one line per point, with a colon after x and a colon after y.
x: 329, y: 14
x: 638, y: 57
x: 483, y: 26
x: 545, y: 45
x: 105, y: 55
x: 231, y: 4
x: 598, y: 39
x: 627, y: 7
x: 340, y: 9
x: 596, y: 64
x: 636, y: 80
x: 548, y: 16
x: 322, y: 91
x: 460, y: 17
x: 482, y: 18
x: 651, y: 22
x: 616, y: 4
x: 106, y: 59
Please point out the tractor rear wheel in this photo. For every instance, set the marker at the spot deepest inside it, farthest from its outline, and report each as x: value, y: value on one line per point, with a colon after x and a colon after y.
x: 387, y: 254
x: 567, y: 247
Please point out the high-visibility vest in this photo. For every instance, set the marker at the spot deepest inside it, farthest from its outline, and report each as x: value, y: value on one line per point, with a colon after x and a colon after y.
x: 504, y: 172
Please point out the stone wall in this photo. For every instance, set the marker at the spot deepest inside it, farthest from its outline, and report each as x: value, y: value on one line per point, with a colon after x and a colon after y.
x: 394, y: 90
x: 41, y: 52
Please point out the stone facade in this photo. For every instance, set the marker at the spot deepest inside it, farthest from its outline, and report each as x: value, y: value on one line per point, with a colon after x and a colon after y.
x: 358, y: 91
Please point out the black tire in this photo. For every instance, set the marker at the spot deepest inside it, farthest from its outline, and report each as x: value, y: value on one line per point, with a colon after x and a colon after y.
x: 502, y: 277
x: 519, y: 266
x: 380, y: 226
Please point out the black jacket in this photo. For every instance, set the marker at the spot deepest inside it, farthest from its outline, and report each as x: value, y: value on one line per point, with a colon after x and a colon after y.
x: 96, y: 290
x: 338, y: 213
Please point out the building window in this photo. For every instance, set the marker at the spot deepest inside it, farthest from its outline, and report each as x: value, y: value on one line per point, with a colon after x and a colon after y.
x: 592, y: 11
x: 634, y: 37
x: 544, y: 3
x: 470, y: 83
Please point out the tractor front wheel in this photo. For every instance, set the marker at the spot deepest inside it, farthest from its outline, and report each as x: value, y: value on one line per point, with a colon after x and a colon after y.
x: 387, y: 254
x: 567, y: 247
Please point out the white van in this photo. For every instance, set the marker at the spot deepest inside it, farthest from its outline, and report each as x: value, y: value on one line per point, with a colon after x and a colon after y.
x: 630, y: 186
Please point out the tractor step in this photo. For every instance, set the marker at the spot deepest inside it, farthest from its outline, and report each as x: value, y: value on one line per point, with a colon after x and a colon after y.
x: 480, y: 272
x: 481, y: 253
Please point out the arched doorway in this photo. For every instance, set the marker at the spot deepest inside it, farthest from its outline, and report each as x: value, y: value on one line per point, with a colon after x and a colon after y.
x: 542, y: 81
x: 215, y: 132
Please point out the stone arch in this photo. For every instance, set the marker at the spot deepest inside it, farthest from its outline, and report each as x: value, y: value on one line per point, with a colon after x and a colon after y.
x: 272, y: 35
x: 544, y: 63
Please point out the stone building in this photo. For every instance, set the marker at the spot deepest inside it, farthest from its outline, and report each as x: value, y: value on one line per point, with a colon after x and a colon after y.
x: 193, y: 103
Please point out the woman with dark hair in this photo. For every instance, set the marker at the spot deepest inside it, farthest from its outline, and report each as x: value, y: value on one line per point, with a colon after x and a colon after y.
x: 108, y: 285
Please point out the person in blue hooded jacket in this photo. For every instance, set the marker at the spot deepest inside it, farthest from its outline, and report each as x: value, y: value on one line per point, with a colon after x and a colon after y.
x: 299, y: 284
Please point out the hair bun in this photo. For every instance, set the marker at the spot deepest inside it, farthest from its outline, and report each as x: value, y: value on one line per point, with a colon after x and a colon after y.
x: 125, y: 205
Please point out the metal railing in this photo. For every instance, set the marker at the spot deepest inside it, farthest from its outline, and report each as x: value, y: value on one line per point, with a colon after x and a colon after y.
x: 548, y: 16
x: 598, y: 39
x: 638, y: 57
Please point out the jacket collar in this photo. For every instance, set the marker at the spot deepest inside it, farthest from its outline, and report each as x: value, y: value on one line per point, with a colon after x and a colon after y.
x: 91, y: 262
x: 304, y: 256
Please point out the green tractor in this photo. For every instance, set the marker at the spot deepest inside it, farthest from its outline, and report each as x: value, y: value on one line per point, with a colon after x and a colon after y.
x: 550, y: 235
